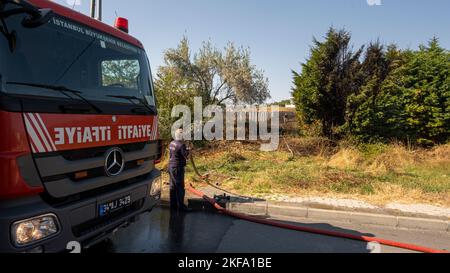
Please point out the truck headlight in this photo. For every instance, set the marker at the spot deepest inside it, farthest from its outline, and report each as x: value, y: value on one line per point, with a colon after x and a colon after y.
x: 35, y: 229
x: 156, y: 187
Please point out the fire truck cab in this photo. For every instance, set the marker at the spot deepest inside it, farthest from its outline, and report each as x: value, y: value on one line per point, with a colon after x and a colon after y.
x: 78, y: 128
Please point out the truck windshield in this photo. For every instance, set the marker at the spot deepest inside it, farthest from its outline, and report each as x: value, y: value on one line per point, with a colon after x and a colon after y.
x: 63, y: 53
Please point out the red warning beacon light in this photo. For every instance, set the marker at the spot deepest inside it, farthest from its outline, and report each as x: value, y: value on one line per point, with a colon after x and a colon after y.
x: 122, y: 24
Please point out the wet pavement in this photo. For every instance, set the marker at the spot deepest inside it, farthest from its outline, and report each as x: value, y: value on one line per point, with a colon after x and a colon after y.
x: 164, y: 232
x: 202, y: 232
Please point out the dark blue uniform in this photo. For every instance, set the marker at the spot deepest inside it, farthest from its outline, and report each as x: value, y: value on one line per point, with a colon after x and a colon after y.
x: 177, y: 163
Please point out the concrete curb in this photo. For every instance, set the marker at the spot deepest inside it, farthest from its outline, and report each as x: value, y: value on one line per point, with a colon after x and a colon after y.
x: 267, y: 209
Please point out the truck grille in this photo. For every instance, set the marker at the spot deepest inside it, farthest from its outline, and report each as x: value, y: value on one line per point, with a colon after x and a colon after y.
x: 58, y: 170
x: 99, y: 151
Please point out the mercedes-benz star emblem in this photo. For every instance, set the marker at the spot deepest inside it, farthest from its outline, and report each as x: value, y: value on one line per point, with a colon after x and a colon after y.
x: 114, y: 162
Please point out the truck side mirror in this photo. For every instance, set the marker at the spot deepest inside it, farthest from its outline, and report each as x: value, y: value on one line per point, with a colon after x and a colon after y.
x: 38, y: 18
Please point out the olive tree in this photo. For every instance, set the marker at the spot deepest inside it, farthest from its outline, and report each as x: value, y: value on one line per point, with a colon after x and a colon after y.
x: 217, y: 76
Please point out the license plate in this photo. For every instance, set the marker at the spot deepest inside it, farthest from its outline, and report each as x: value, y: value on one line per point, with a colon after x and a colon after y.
x: 114, y: 205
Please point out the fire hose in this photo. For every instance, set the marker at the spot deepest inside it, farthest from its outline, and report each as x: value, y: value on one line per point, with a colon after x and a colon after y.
x: 305, y: 229
x: 205, y: 179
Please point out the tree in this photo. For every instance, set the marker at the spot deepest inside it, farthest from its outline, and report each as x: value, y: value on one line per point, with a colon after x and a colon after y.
x: 387, y: 94
x: 410, y: 101
x: 362, y: 117
x: 170, y: 91
x: 327, y: 79
x: 215, y: 76
x: 218, y: 77
x: 423, y: 85
x: 121, y: 72
x: 282, y: 103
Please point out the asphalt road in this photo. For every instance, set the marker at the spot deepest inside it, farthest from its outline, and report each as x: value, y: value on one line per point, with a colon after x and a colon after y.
x: 202, y: 232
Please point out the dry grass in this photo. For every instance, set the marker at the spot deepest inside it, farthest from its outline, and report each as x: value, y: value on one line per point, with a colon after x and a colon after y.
x: 395, y: 160
x: 387, y: 193
x: 378, y: 174
x: 310, y: 146
x: 346, y: 158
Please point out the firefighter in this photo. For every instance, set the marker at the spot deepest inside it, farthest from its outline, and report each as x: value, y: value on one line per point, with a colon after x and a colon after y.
x: 179, y: 154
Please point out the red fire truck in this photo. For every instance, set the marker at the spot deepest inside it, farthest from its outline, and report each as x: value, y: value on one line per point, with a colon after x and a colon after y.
x: 78, y: 128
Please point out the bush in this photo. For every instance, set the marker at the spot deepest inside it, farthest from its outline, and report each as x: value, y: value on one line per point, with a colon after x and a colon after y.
x: 414, y: 101
x: 389, y: 95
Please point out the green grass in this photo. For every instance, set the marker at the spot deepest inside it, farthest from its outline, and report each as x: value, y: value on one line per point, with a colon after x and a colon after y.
x: 428, y: 178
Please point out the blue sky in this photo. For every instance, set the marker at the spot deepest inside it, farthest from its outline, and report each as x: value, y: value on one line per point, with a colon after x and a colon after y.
x: 278, y: 32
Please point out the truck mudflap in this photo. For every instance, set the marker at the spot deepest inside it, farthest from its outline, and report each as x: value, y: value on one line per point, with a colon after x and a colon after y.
x: 81, y: 222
